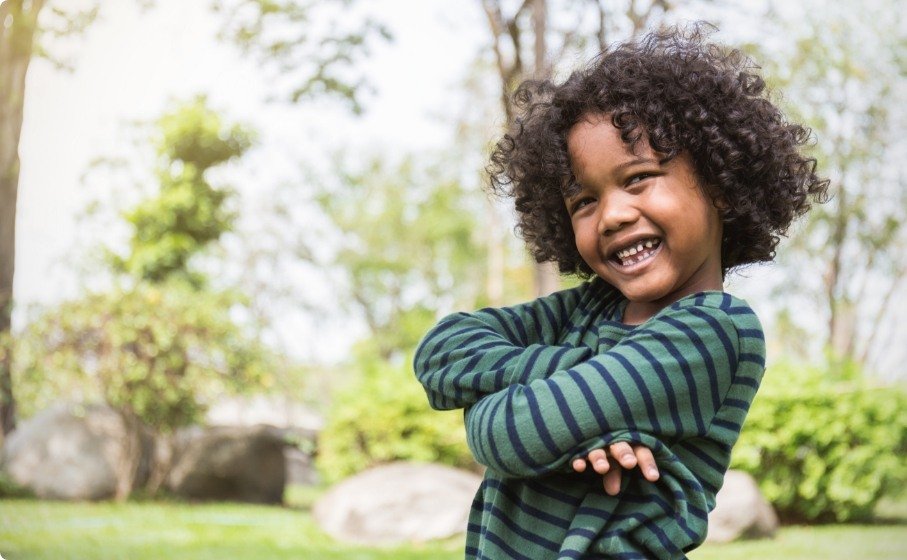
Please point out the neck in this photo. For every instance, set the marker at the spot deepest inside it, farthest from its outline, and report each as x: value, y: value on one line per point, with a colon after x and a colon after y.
x: 638, y: 312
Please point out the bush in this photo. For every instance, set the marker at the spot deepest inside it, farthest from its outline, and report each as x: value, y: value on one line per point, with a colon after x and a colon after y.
x: 825, y: 446
x: 10, y: 489
x: 384, y: 416
x: 156, y: 352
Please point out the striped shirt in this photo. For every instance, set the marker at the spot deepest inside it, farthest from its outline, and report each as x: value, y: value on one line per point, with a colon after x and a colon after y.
x: 545, y: 382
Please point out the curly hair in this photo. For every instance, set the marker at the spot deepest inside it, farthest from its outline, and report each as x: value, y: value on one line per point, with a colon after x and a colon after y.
x: 683, y: 95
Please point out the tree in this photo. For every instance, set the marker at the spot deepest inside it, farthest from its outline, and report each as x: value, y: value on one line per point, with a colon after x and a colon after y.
x: 161, y: 344
x: 516, y: 59
x: 280, y: 32
x: 188, y: 212
x: 554, y: 39
x: 408, y: 247
x: 155, y: 353
x: 842, y: 71
x: 307, y: 50
x: 311, y: 49
x: 22, y: 23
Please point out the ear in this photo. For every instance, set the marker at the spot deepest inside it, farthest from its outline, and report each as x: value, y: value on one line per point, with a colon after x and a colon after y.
x: 721, y: 204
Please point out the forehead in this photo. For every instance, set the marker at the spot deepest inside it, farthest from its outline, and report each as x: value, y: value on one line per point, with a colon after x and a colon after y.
x: 594, y: 143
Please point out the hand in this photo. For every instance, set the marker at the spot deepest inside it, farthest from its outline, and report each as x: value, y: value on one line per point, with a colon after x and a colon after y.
x: 619, y: 456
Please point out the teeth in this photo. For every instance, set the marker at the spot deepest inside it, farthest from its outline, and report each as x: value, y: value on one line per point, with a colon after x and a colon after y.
x: 628, y: 256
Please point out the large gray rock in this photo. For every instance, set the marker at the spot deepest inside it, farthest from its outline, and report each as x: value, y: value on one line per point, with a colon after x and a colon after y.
x: 396, y: 503
x: 298, y: 424
x: 78, y: 452
x: 235, y: 464
x: 300, y: 467
x: 741, y: 511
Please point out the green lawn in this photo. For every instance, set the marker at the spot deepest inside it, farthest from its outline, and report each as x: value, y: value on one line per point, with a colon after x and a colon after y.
x: 34, y: 530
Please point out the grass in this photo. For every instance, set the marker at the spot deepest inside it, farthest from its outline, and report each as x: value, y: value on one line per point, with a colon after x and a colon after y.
x: 830, y: 542
x: 36, y: 530
x: 33, y: 530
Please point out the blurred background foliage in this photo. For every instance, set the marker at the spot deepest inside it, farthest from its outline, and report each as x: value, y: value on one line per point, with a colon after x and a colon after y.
x: 158, y: 352
x: 407, y: 246
x: 383, y: 417
x: 826, y: 444
x: 161, y: 342
x: 412, y: 237
x: 187, y: 213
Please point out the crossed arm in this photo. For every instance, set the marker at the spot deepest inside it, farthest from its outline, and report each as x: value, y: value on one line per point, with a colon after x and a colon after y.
x: 533, y: 407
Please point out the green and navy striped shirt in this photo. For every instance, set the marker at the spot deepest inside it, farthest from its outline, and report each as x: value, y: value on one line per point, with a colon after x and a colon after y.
x: 545, y: 382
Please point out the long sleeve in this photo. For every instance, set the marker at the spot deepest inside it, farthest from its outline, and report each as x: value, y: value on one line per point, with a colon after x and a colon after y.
x: 668, y: 378
x: 470, y: 355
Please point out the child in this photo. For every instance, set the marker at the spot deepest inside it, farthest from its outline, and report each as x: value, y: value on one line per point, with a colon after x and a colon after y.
x: 654, y: 171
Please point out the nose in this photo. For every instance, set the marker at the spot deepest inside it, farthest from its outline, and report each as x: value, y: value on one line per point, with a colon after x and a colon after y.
x: 617, y: 210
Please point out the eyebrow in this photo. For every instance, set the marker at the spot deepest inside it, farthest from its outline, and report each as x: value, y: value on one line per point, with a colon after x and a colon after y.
x: 573, y: 188
x: 637, y: 161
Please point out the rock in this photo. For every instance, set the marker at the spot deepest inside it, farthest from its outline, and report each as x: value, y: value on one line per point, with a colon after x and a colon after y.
x: 399, y: 502
x: 296, y: 422
x: 235, y: 464
x: 300, y: 467
x: 78, y: 452
x: 741, y: 511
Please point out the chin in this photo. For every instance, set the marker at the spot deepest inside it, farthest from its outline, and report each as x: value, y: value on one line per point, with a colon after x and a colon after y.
x: 643, y: 295
x: 642, y: 298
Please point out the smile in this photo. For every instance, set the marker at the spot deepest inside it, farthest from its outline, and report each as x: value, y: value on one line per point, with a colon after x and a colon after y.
x: 640, y: 251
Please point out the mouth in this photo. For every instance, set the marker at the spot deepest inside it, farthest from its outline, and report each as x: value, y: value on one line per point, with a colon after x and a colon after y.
x: 636, y: 253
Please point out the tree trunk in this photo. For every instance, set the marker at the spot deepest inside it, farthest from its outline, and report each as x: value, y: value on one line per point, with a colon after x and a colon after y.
x: 547, y: 277
x: 130, y: 458
x: 161, y: 463
x: 18, y: 21
x: 540, y: 31
x: 839, y: 331
x: 494, y: 281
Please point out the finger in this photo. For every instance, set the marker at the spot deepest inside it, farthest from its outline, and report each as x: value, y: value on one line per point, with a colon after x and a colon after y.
x: 623, y: 453
x: 612, y: 478
x: 579, y: 465
x: 599, y: 461
x: 646, y: 463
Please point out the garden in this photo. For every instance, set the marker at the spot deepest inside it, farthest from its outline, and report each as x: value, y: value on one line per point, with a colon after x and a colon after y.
x: 209, y: 317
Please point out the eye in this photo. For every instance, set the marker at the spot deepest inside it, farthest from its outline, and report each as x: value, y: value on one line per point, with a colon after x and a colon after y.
x: 580, y: 203
x: 639, y: 177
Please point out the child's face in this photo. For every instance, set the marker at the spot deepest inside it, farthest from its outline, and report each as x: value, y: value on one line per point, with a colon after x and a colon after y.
x: 644, y: 227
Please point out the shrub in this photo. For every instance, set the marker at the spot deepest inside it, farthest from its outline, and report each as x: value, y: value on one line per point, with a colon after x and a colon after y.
x: 825, y: 445
x: 156, y: 352
x: 10, y: 489
x: 384, y: 416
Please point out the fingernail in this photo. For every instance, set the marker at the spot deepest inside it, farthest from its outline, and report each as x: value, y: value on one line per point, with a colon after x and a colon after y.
x: 653, y: 471
x: 601, y: 464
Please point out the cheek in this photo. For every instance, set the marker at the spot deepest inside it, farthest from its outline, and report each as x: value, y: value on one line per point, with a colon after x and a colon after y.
x: 586, y: 243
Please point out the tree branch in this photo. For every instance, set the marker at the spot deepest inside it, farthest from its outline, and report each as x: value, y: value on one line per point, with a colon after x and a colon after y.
x: 884, y: 310
x: 523, y: 7
x: 601, y: 34
x: 496, y: 25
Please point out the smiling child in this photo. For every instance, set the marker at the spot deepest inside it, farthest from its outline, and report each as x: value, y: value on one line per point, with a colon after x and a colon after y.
x: 654, y: 171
